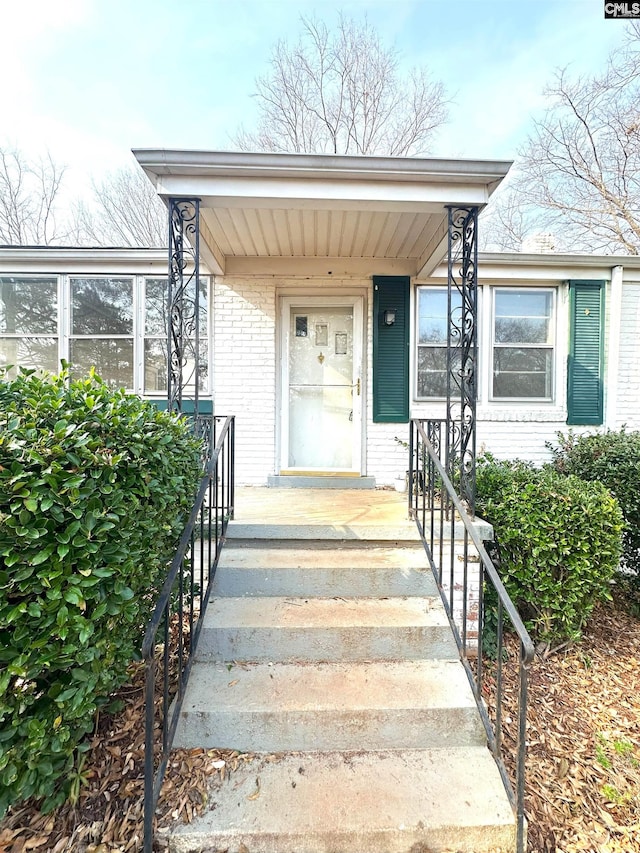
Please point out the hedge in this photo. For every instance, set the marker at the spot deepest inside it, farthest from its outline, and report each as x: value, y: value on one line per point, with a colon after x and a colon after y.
x: 559, y: 543
x: 612, y: 458
x: 95, y: 486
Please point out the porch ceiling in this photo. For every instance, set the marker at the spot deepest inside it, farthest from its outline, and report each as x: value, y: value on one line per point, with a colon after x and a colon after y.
x: 304, y: 213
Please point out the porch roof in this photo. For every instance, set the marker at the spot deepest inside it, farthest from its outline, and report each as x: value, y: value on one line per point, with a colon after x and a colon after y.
x: 322, y: 214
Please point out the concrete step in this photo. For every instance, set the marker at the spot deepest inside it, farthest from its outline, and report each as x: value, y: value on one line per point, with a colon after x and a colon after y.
x: 403, y: 801
x: 398, y: 532
x: 343, y: 706
x: 322, y: 569
x: 278, y: 629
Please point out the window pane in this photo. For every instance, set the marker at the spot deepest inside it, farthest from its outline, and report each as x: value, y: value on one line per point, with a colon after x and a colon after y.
x: 155, y: 367
x: 34, y: 353
x: 432, y: 314
x: 432, y: 371
x: 203, y: 291
x: 28, y: 306
x: 522, y: 372
x: 112, y: 359
x: 156, y: 307
x: 101, y: 306
x: 522, y: 330
x: 523, y: 317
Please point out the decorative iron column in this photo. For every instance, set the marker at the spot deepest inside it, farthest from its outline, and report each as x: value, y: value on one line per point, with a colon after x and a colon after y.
x: 183, y: 344
x: 462, y: 351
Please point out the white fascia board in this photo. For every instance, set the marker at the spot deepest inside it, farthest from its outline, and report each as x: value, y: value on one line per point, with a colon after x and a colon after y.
x: 557, y: 258
x: 336, y: 268
x: 223, y: 191
x: 522, y: 268
x: 343, y: 167
x: 99, y: 261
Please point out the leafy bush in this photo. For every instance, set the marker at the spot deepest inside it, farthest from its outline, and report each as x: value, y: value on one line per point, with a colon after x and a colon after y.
x: 613, y: 458
x: 559, y: 543
x: 95, y: 486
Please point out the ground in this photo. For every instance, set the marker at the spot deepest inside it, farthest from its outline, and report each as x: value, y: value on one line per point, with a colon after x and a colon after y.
x: 583, y: 769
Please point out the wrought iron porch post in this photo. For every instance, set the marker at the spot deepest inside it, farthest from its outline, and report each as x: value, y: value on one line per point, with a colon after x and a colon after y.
x: 183, y: 328
x: 462, y: 350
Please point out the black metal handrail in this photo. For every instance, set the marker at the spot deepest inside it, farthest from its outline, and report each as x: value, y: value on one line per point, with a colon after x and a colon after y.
x: 438, y: 511
x: 172, y: 634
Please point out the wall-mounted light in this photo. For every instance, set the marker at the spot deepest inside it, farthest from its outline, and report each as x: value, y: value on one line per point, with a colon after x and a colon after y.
x: 389, y: 317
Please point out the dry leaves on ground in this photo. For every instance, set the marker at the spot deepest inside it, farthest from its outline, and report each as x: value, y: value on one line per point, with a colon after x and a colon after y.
x: 583, y: 741
x: 108, y: 817
x: 583, y: 766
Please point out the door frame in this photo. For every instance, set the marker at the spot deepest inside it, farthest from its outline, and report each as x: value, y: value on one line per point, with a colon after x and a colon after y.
x: 302, y: 302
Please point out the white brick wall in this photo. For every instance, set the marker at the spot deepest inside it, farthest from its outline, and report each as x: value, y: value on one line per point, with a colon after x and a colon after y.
x: 244, y: 371
x: 245, y: 360
x: 245, y: 353
x: 628, y: 402
x: 386, y: 458
x: 520, y: 438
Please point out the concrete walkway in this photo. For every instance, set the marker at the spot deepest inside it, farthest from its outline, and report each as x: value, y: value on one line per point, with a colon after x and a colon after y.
x: 326, y: 653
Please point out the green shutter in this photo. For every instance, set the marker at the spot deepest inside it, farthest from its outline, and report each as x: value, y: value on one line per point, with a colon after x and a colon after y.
x: 391, y: 350
x: 585, y: 398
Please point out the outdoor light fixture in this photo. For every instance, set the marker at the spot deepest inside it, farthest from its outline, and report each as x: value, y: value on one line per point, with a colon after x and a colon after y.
x: 389, y: 317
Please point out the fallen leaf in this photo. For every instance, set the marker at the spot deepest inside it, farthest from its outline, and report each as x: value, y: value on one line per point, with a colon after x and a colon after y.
x: 256, y: 793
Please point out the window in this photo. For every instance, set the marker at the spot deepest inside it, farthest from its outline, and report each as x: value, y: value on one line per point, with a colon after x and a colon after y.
x: 117, y: 324
x: 433, y: 321
x: 155, y: 339
x: 29, y: 323
x: 102, y: 329
x: 523, y: 344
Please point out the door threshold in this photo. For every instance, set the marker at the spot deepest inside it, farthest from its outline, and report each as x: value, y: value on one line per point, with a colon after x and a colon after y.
x: 320, y: 481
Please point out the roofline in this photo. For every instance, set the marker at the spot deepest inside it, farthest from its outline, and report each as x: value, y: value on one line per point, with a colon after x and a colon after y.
x: 163, y: 161
x: 106, y: 253
x: 97, y: 252
x: 557, y: 259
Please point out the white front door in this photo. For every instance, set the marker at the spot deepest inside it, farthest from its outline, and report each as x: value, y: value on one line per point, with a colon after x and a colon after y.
x: 322, y: 390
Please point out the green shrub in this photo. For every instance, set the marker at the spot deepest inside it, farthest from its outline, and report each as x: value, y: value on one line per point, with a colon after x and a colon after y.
x: 559, y: 542
x: 612, y: 458
x: 95, y: 486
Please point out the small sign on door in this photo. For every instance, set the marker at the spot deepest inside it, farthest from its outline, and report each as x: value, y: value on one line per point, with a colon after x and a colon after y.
x: 322, y: 335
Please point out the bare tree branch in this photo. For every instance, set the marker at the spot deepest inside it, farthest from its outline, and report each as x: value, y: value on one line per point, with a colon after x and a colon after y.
x: 580, y: 168
x: 28, y: 194
x: 341, y: 92
x: 126, y: 211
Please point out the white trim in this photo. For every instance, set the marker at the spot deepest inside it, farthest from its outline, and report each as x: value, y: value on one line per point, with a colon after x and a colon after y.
x: 612, y: 353
x: 163, y: 161
x: 552, y: 346
x: 338, y: 268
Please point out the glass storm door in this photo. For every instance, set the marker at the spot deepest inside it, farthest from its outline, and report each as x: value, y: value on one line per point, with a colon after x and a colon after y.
x: 322, y: 388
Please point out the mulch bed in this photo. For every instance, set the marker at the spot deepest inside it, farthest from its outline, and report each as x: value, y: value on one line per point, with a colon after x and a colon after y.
x: 583, y: 767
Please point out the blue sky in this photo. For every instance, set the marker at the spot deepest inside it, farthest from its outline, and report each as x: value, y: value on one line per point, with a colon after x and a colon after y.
x: 91, y: 79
